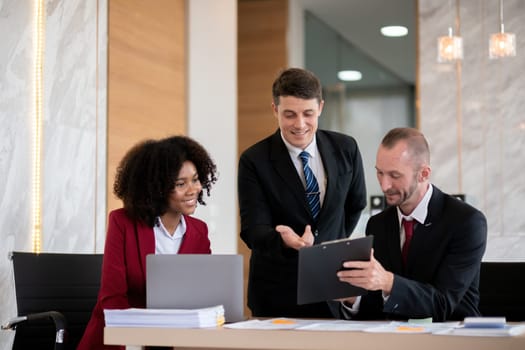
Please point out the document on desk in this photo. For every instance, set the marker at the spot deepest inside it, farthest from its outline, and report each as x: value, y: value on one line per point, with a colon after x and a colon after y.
x: 342, y: 326
x: 305, y: 324
x: 170, y: 318
x: 413, y: 328
x: 270, y: 324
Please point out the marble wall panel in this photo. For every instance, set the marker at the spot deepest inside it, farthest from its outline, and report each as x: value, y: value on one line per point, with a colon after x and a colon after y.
x: 15, y: 146
x: 70, y: 126
x: 472, y: 114
x: 74, y: 133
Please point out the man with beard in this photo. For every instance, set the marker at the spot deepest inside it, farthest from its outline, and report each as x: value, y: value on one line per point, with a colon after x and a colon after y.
x: 435, y: 274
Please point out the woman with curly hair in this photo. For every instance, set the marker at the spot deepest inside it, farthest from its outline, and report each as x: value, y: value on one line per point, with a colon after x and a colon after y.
x: 160, y: 183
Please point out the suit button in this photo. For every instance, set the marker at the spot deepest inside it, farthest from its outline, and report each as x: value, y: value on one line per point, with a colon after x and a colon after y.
x: 316, y: 233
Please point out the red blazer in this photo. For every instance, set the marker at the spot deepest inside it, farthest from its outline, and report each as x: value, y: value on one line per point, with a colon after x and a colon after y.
x: 123, y: 283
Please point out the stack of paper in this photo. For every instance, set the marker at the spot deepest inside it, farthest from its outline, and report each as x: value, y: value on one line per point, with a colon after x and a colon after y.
x: 170, y: 318
x: 487, y: 327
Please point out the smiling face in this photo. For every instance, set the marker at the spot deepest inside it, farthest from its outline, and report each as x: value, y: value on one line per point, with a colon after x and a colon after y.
x: 298, y: 119
x: 403, y: 179
x: 183, y: 197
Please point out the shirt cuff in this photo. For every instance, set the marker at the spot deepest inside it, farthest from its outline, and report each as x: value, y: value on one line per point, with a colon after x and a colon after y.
x: 385, y: 297
x: 354, y: 308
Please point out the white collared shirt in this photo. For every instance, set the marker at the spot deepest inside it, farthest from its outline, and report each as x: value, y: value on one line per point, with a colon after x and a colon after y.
x: 419, y: 214
x: 315, y: 162
x: 165, y: 243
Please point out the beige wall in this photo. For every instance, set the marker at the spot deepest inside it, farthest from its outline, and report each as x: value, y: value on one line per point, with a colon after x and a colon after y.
x: 212, y: 110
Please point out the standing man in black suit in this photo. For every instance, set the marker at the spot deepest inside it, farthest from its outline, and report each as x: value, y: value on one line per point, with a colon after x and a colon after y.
x: 281, y: 209
x: 436, y: 272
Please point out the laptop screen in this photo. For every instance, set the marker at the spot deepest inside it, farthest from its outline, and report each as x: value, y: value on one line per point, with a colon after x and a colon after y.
x: 189, y: 281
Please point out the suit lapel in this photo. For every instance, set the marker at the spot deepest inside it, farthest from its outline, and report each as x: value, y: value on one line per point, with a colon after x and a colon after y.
x: 280, y: 159
x: 146, y: 243
x: 394, y: 242
x: 426, y: 234
x: 330, y: 158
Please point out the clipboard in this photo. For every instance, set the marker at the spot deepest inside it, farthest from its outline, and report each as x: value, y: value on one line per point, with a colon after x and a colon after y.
x: 318, y: 265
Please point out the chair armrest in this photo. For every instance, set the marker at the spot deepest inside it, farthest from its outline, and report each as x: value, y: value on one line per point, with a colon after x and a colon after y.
x: 12, y: 323
x: 58, y: 319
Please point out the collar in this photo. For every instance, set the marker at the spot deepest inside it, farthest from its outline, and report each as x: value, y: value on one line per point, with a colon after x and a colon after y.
x: 421, y: 211
x: 294, y: 151
x: 180, y: 230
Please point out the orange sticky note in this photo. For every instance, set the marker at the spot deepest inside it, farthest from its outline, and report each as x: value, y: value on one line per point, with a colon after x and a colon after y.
x: 282, y: 321
x: 410, y: 329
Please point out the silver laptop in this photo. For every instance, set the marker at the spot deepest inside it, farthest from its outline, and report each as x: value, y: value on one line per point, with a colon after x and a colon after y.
x: 188, y: 281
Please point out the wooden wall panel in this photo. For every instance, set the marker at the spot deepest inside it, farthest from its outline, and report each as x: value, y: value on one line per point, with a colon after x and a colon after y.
x: 262, y: 52
x: 146, y: 76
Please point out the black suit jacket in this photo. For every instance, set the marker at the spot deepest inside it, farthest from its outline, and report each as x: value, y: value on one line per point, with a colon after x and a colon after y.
x: 271, y: 193
x: 442, y: 275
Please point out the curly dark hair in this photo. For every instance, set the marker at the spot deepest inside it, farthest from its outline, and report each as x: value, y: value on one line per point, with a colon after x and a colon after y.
x: 147, y: 173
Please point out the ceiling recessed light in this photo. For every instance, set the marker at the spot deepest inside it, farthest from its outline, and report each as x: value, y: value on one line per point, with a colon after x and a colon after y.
x: 394, y: 31
x: 349, y: 75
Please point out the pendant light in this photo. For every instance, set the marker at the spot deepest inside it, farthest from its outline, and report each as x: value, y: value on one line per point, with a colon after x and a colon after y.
x: 502, y: 44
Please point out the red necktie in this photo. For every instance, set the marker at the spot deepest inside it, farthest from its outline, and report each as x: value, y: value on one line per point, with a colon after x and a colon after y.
x: 409, y: 231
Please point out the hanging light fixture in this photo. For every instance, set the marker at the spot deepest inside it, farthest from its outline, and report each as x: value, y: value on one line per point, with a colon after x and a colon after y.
x: 502, y: 44
x: 450, y: 47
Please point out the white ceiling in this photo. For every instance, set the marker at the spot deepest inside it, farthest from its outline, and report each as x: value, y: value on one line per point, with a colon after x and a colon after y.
x: 359, y: 21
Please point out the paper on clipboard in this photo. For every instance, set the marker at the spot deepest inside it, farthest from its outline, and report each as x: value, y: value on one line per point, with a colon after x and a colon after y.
x: 318, y: 265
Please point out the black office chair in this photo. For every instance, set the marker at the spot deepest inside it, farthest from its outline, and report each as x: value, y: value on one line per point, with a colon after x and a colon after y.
x: 501, y: 287
x: 55, y: 295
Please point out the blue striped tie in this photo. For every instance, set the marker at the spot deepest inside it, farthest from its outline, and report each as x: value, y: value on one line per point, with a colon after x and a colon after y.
x: 312, y: 188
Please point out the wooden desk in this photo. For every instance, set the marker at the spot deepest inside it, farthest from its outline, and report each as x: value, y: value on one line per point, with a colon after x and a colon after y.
x: 223, y: 338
